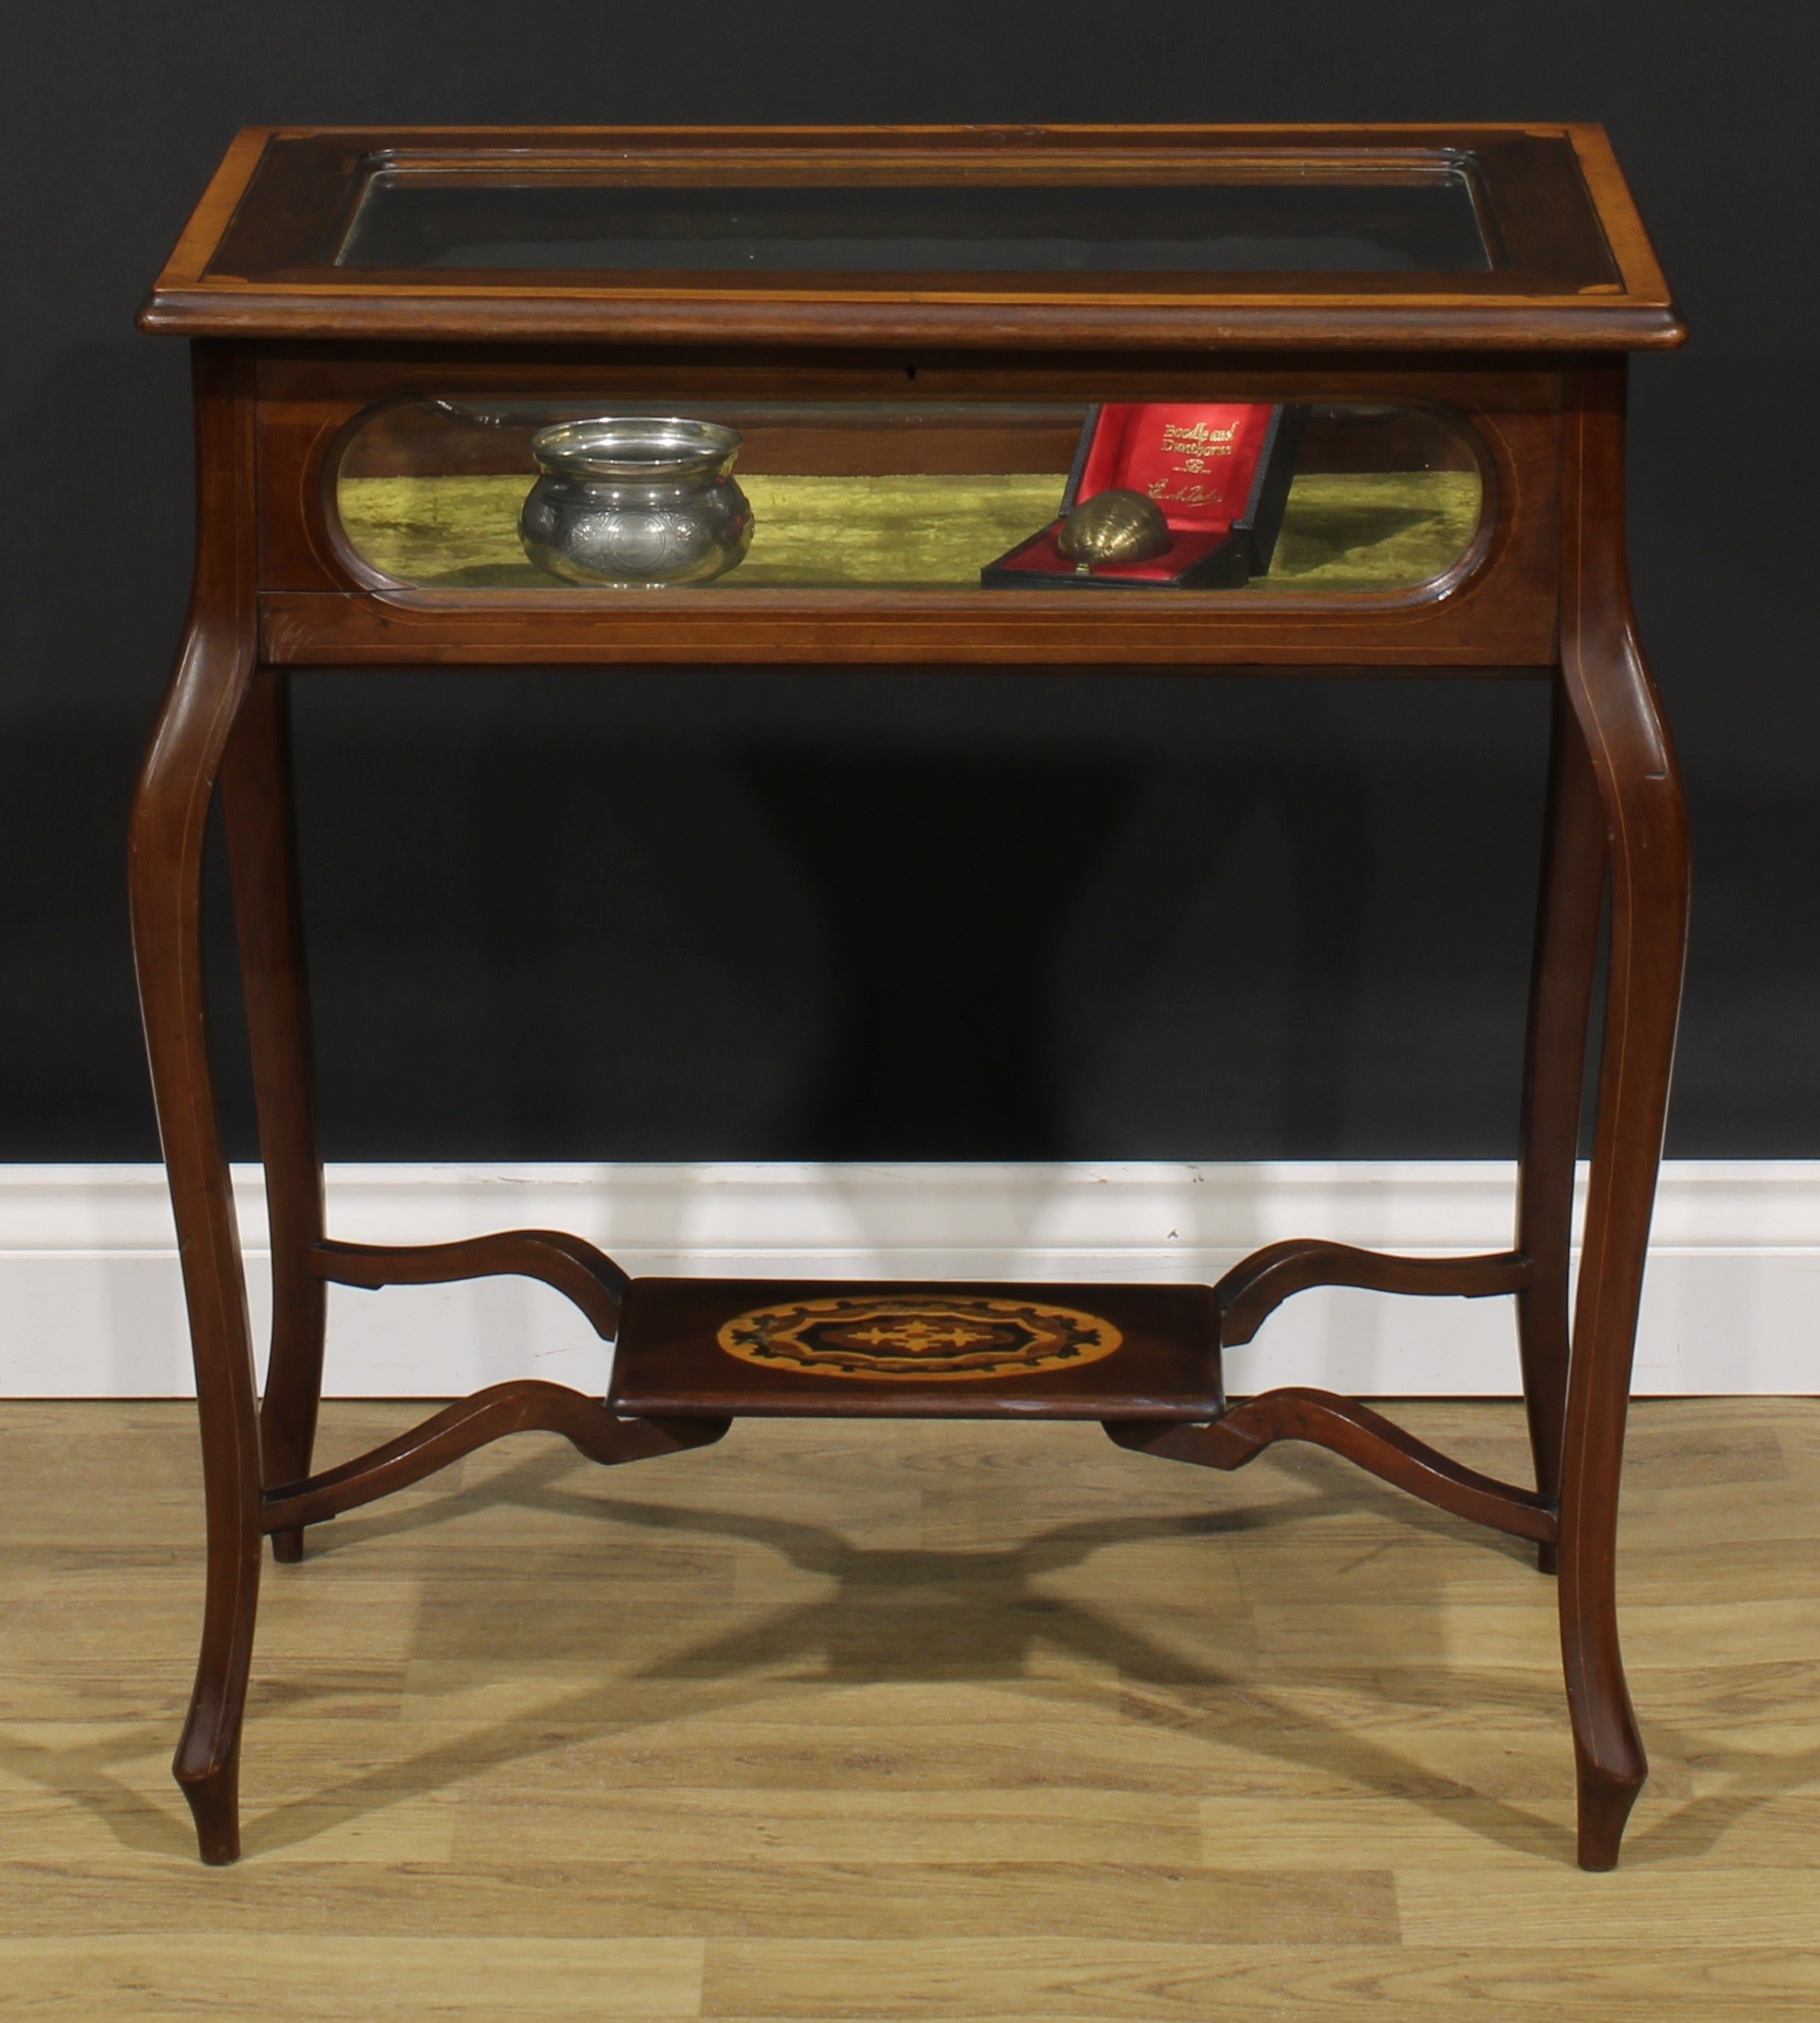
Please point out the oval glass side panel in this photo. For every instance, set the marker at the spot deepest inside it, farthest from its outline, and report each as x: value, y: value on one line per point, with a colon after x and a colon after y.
x: 1160, y: 498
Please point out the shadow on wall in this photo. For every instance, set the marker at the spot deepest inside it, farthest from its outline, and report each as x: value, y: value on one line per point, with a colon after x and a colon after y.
x: 993, y: 924
x: 548, y: 935
x: 943, y: 886
x: 589, y: 926
x: 702, y: 919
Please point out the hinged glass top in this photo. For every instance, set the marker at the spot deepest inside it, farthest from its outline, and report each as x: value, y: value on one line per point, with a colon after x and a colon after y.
x: 1004, y: 211
x: 1250, y: 216
x: 1089, y: 238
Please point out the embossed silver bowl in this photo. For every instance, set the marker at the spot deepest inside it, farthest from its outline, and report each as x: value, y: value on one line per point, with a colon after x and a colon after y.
x: 636, y: 503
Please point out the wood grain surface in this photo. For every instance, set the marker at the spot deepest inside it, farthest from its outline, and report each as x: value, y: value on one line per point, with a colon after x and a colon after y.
x: 910, y: 1720
x: 1573, y: 270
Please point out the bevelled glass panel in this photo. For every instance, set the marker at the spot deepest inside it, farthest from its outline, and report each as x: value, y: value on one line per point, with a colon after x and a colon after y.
x: 1370, y: 498
x: 1409, y: 219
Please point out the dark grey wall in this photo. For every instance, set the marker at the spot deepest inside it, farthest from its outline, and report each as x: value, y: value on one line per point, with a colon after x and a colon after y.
x: 789, y: 914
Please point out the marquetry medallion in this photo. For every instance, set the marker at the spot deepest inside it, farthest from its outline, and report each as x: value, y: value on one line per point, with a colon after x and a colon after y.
x: 901, y: 1338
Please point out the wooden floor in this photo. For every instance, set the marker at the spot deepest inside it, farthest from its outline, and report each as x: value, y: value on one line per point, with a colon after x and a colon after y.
x: 910, y: 1721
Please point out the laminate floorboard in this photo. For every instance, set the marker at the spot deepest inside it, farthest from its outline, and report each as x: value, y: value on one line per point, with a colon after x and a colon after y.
x: 910, y: 1721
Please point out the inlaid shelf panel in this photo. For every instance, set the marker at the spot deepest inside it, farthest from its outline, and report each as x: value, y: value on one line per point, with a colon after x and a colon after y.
x: 711, y: 1347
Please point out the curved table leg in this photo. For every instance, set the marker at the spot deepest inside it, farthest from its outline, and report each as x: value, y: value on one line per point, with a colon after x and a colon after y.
x: 1608, y: 685
x: 169, y: 817
x: 257, y: 799
x: 1561, y: 999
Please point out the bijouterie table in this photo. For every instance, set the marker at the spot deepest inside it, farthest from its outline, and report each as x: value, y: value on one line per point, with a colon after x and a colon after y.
x: 1347, y: 401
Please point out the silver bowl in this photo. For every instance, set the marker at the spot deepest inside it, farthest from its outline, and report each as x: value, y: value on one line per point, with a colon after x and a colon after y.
x: 636, y: 503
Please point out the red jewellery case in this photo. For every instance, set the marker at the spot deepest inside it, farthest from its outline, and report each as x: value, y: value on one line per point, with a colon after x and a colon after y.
x: 1221, y: 471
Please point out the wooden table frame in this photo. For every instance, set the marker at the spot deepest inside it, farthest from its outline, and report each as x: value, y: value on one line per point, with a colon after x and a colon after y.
x: 1543, y: 597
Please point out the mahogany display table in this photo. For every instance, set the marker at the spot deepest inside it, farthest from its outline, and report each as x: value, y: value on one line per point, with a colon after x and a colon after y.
x: 918, y: 335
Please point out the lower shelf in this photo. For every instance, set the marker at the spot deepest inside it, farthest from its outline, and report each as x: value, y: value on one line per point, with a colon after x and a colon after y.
x: 837, y: 1348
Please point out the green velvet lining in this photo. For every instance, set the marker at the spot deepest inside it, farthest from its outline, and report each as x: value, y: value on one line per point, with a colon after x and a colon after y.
x: 1352, y: 530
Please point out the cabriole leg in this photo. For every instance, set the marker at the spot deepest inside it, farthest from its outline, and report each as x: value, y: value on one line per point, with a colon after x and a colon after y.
x: 1640, y: 1036
x: 169, y: 819
x: 258, y: 799
x: 1567, y: 947
x: 1609, y: 686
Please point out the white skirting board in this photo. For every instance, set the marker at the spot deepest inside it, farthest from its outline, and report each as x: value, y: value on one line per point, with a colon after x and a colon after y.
x: 91, y: 1305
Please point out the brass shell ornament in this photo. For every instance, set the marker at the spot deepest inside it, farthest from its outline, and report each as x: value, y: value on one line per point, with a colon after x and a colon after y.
x: 1113, y: 527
